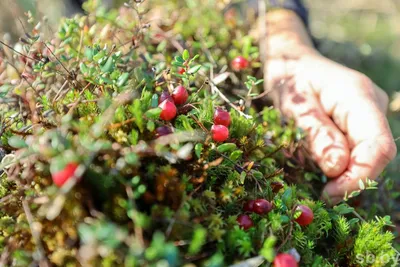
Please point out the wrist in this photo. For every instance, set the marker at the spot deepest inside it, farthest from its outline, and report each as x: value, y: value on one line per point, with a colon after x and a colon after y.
x: 287, y: 35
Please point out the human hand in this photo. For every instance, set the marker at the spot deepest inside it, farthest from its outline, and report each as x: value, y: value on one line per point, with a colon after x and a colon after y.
x: 341, y: 110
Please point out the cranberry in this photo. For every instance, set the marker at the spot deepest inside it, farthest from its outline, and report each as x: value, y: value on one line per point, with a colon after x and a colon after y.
x: 163, y: 130
x: 61, y: 177
x: 181, y: 71
x: 306, y: 217
x: 165, y: 96
x: 285, y: 260
x: 222, y: 117
x: 244, y: 221
x: 248, y: 206
x: 239, y: 63
x: 180, y: 95
x: 219, y: 133
x: 262, y: 206
x: 168, y: 110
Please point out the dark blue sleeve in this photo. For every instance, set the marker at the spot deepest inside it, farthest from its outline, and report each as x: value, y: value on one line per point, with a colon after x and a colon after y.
x: 295, y: 5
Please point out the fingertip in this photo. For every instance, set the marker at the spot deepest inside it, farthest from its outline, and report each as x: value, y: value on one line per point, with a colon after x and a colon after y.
x: 336, y: 189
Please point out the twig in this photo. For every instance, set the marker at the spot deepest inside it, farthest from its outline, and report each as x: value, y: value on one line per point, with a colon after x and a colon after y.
x: 223, y: 97
x: 35, y: 235
x: 138, y: 230
x: 117, y: 125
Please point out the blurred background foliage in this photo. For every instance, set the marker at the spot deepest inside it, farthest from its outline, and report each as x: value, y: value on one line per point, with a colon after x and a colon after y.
x: 361, y: 34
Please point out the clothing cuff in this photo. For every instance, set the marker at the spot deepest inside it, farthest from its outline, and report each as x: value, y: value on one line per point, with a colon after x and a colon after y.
x: 296, y: 6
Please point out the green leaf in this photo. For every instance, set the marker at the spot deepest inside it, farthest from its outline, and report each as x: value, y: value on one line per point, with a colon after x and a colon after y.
x: 268, y: 249
x: 194, y: 58
x: 361, y: 184
x: 177, y: 64
x: 108, y: 66
x: 354, y: 193
x: 258, y: 175
x: 226, y: 147
x: 153, y: 113
x: 285, y: 219
x: 150, y: 125
x: 343, y: 209
x: 198, y: 149
x: 99, y: 56
x: 154, y: 101
x: 89, y: 53
x: 132, y: 159
x: 84, y: 69
x: 185, y: 55
x: 179, y: 59
x: 353, y: 221
x: 198, y: 240
x: 17, y: 142
x: 122, y: 79
x: 137, y: 113
x: 195, y: 69
x: 242, y: 177
x: 161, y: 46
x: 185, y: 122
x: 235, y: 155
x: 258, y: 82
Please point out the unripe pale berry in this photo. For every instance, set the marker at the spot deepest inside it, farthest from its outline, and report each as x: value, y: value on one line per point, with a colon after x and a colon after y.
x: 239, y: 63
x: 306, y: 217
x: 285, y: 260
x: 222, y: 117
x: 244, y: 221
x: 168, y: 110
x: 262, y: 206
x: 61, y: 177
x: 165, y: 96
x: 219, y: 133
x: 180, y: 95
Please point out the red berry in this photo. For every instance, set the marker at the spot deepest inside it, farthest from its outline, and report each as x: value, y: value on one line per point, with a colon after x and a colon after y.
x: 165, y: 96
x: 59, y: 178
x: 244, y: 221
x: 168, y: 110
x: 222, y: 117
x: 219, y: 133
x: 163, y: 130
x: 262, y: 206
x: 285, y: 260
x: 239, y: 63
x: 181, y: 71
x: 306, y: 217
x: 180, y: 95
x: 248, y: 206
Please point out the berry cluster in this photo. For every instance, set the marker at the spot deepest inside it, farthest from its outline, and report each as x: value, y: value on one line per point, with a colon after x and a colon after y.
x: 262, y: 207
x: 167, y: 102
x: 259, y: 206
x: 222, y: 120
